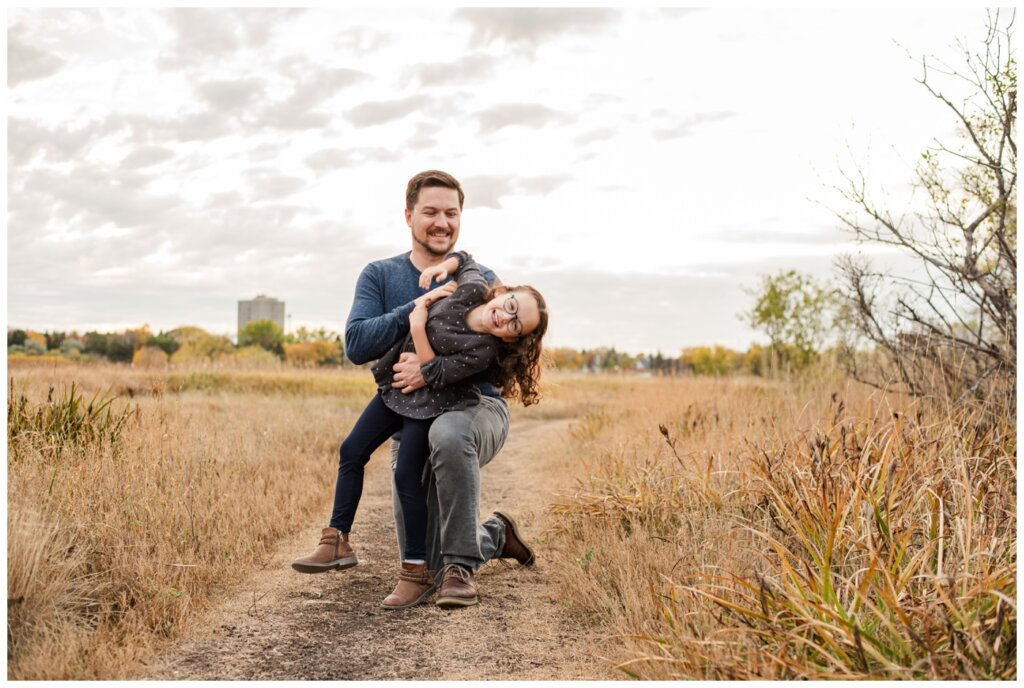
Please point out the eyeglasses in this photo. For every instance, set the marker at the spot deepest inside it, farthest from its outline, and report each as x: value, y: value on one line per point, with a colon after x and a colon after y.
x: 511, y: 306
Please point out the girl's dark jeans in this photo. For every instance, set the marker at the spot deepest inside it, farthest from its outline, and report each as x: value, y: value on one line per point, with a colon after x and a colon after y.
x: 375, y: 425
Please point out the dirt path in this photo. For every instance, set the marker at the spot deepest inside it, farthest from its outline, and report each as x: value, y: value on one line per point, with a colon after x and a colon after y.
x: 286, y: 625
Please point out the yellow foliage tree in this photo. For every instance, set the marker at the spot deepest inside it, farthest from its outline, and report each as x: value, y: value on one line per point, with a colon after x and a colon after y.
x: 311, y: 354
x: 565, y: 358
x: 188, y: 334
x: 140, y: 335
x: 253, y: 356
x: 150, y: 357
x: 201, y: 347
x: 37, y: 337
x: 711, y: 360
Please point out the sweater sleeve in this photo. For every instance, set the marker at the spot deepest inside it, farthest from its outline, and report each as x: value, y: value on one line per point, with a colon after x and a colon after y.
x: 371, y: 331
x: 469, y: 271
x: 442, y: 371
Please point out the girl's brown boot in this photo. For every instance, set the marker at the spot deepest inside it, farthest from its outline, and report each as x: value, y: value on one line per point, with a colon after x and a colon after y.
x: 415, y: 584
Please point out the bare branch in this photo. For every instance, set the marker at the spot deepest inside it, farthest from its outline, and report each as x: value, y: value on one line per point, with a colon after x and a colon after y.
x: 956, y: 328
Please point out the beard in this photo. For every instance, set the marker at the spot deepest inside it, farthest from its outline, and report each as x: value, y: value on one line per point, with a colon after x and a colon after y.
x: 433, y: 250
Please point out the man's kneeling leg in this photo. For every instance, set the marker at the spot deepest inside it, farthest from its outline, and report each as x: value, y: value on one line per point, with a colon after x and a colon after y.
x: 460, y: 443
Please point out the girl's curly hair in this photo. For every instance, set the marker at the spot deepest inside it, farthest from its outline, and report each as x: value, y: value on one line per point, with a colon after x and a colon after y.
x: 517, y: 370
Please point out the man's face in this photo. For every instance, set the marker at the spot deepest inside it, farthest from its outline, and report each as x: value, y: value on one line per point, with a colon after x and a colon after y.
x: 435, y: 220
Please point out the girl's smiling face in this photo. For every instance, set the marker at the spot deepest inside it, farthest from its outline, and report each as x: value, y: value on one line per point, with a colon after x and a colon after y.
x: 510, y: 314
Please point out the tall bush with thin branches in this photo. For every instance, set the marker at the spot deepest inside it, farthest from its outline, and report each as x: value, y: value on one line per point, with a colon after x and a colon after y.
x: 954, y: 331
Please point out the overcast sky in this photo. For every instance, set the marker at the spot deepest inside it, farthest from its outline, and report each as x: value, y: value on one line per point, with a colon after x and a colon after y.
x: 640, y: 167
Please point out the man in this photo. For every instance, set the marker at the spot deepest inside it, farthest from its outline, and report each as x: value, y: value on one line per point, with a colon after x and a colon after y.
x: 461, y: 442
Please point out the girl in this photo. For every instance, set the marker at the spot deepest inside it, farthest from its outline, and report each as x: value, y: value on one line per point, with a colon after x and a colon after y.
x: 476, y: 329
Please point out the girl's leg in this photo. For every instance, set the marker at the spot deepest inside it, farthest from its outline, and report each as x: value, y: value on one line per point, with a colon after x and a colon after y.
x: 375, y: 425
x: 412, y: 457
x: 416, y: 581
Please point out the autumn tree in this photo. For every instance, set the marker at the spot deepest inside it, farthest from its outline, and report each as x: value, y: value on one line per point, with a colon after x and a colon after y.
x: 304, y: 334
x: 165, y: 342
x: 196, y: 345
x: 33, y: 347
x: 54, y: 339
x: 665, y: 365
x: 121, y: 346
x: 72, y: 348
x: 318, y: 352
x: 710, y: 360
x: 318, y: 346
x: 188, y: 334
x: 266, y: 334
x: 206, y: 348
x: 37, y: 337
x: 951, y: 326
x: 96, y: 343
x: 150, y: 356
x: 565, y: 358
x: 793, y: 310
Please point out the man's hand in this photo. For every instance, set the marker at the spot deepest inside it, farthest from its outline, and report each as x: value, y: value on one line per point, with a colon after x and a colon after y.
x: 408, y: 377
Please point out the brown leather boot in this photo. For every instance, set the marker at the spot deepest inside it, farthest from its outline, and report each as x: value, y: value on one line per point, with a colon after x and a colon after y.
x: 415, y: 583
x: 333, y: 552
x: 457, y: 587
x: 514, y: 547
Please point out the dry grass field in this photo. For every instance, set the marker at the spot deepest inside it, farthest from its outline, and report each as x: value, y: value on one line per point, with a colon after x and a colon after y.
x: 114, y: 538
x: 739, y: 529
x: 730, y: 528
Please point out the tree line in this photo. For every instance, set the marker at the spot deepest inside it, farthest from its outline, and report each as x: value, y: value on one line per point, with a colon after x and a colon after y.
x: 261, y: 341
x: 264, y: 341
x: 715, y: 360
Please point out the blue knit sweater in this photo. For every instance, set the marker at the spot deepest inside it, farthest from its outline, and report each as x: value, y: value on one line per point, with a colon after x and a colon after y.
x: 384, y: 297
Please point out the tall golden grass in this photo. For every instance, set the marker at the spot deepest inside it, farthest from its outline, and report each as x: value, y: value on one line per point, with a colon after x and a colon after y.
x: 741, y: 529
x: 732, y: 528
x: 115, y: 539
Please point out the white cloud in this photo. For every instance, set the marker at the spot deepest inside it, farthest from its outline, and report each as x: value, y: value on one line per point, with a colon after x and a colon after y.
x: 381, y: 112
x: 543, y: 185
x: 147, y: 156
x: 194, y: 125
x: 470, y: 68
x: 230, y: 95
x: 601, y: 134
x: 268, y: 184
x: 530, y: 115
x: 684, y: 126
x: 28, y: 63
x: 96, y: 195
x: 205, y: 34
x: 425, y: 136
x: 532, y: 26
x: 362, y: 40
x: 486, y: 191
x: 298, y: 110
x: 27, y: 140
x: 335, y: 158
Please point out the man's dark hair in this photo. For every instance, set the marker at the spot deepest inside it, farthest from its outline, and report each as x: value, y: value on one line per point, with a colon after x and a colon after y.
x: 430, y: 178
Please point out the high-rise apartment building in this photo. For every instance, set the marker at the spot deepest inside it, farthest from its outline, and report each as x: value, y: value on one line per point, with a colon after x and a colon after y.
x: 260, y: 308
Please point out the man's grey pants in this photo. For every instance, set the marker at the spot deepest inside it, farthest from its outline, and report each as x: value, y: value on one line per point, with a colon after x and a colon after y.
x: 461, y: 443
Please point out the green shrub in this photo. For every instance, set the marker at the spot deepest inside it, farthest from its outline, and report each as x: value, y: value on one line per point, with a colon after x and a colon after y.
x: 66, y: 420
x: 34, y: 348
